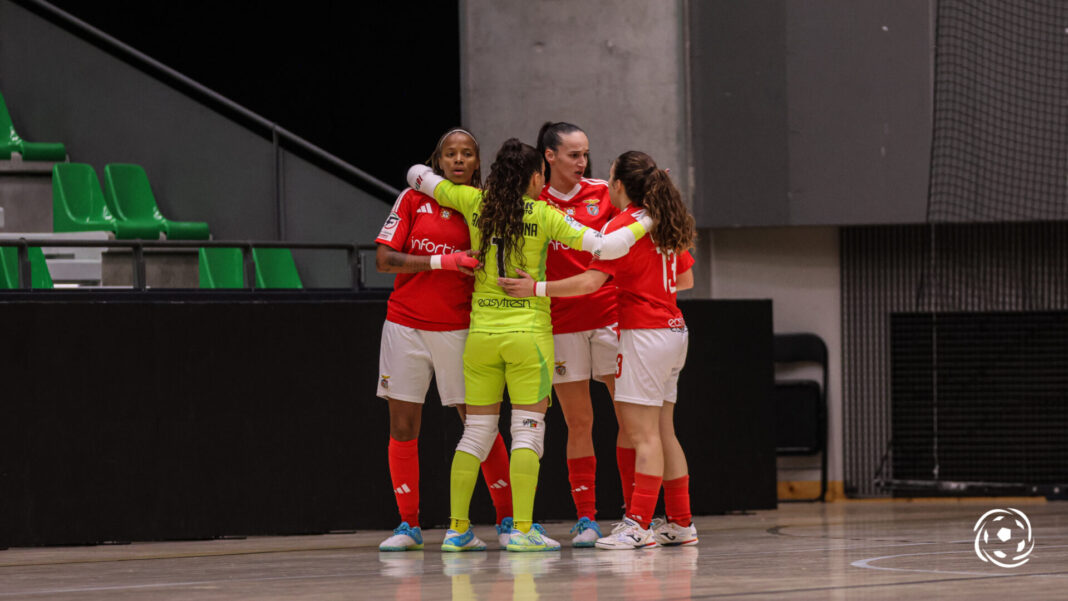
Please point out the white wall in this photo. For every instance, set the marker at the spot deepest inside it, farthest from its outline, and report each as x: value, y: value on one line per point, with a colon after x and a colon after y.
x: 798, y: 269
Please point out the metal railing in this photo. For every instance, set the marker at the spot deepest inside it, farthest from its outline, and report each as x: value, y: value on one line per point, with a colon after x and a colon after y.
x: 355, y: 258
x: 267, y: 128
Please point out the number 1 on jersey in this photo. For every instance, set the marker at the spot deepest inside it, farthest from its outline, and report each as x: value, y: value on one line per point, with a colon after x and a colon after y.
x: 499, y: 243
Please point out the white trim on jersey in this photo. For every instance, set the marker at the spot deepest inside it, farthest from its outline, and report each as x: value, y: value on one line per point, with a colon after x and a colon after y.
x: 558, y: 195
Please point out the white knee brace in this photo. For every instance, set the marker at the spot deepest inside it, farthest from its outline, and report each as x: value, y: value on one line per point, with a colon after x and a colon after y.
x: 480, y: 431
x: 528, y: 431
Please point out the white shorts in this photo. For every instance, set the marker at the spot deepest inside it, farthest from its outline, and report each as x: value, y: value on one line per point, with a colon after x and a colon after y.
x: 580, y: 355
x: 409, y: 357
x: 648, y: 365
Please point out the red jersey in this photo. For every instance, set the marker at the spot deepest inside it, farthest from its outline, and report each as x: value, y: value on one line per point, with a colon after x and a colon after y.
x: 435, y: 300
x: 587, y: 203
x: 646, y: 280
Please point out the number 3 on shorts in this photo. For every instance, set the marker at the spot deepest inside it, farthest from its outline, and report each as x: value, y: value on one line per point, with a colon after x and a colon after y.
x: 619, y: 365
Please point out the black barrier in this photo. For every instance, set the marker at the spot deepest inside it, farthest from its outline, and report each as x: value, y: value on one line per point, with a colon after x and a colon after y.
x: 165, y: 415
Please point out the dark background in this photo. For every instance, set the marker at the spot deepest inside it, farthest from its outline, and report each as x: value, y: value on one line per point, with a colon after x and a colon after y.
x: 249, y: 417
x: 327, y: 72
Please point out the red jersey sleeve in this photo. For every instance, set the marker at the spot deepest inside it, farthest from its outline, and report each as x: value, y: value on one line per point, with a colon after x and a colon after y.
x: 395, y: 230
x: 685, y: 262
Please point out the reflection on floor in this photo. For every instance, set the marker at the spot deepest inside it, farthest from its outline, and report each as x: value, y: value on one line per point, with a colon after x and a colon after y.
x: 857, y: 550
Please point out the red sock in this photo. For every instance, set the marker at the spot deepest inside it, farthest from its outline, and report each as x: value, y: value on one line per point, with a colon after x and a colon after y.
x: 625, y: 460
x: 677, y: 500
x: 582, y: 472
x: 495, y: 471
x: 404, y: 470
x: 643, y: 500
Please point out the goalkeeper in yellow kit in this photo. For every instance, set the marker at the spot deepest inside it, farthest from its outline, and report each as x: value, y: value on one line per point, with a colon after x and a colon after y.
x: 510, y: 340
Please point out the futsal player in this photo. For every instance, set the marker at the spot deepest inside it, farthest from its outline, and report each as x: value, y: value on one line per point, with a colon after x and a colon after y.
x: 584, y: 327
x: 425, y: 330
x: 652, y: 347
x: 510, y: 341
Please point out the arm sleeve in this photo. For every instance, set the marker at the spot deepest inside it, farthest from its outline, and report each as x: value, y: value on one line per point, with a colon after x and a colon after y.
x: 462, y: 198
x: 616, y: 244
x: 565, y: 229
x: 394, y: 231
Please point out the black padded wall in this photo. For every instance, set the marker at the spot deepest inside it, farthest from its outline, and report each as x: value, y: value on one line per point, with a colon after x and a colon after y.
x: 156, y: 416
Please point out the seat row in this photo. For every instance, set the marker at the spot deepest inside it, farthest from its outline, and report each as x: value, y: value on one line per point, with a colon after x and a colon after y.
x: 11, y: 143
x: 124, y: 206
x: 219, y: 268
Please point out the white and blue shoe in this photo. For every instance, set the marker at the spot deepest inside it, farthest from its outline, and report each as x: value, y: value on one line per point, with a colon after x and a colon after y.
x: 405, y: 538
x: 462, y: 541
x: 586, y: 533
x: 504, y: 532
x: 534, y: 540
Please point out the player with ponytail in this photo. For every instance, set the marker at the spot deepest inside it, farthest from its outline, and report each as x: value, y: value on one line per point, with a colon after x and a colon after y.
x: 510, y: 342
x: 585, y: 332
x: 652, y: 347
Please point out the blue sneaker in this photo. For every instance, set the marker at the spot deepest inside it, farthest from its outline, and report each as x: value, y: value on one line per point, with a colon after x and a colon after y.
x: 462, y: 541
x: 586, y: 533
x: 504, y: 531
x: 405, y: 538
x: 535, y: 540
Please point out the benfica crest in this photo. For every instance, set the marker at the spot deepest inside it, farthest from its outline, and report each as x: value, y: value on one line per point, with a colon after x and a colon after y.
x: 592, y: 207
x: 561, y: 368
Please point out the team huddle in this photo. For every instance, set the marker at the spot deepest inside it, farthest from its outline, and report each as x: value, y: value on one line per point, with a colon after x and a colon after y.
x: 538, y: 279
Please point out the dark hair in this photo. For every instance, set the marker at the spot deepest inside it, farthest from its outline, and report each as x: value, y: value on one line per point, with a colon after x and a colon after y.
x: 435, y: 157
x: 549, y: 137
x: 501, y: 215
x: 650, y: 188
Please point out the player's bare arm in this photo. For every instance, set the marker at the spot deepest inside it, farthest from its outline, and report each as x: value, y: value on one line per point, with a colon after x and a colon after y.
x: 684, y: 280
x: 388, y: 260
x: 577, y: 285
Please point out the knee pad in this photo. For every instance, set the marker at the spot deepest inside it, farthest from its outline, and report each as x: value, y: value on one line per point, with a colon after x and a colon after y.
x: 480, y: 432
x: 528, y: 431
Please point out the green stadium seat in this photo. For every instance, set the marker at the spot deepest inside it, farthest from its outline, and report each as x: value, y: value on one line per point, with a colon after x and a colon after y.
x: 40, y: 279
x: 221, y: 268
x: 275, y: 268
x: 30, y: 151
x: 78, y: 205
x: 130, y: 198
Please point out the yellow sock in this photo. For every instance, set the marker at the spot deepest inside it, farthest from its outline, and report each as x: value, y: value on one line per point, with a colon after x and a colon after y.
x: 523, y: 471
x: 462, y: 485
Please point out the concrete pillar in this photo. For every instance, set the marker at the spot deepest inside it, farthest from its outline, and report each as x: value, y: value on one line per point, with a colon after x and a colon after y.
x: 616, y: 68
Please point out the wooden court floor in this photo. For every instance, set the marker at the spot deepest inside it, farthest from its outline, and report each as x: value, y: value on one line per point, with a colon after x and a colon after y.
x: 851, y: 550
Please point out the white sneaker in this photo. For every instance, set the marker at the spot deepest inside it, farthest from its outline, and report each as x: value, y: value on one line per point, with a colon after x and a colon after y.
x: 405, y: 538
x: 670, y: 534
x: 504, y: 532
x: 627, y: 534
x: 534, y: 540
x: 462, y: 541
x: 587, y: 533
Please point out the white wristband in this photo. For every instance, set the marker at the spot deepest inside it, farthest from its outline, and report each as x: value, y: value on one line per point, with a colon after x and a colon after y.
x: 435, y: 261
x: 540, y: 288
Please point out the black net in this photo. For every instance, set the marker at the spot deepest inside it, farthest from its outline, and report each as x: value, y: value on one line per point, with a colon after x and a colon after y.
x: 1000, y: 145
